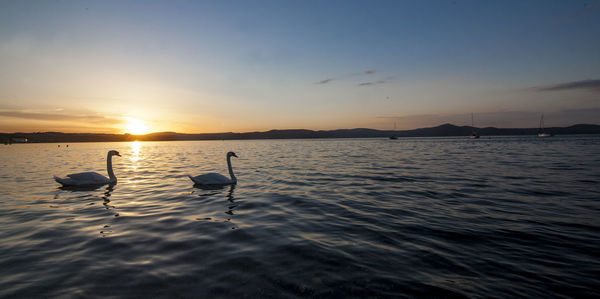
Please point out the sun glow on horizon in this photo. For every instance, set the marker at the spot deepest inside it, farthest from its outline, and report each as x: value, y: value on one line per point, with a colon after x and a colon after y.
x: 136, y: 126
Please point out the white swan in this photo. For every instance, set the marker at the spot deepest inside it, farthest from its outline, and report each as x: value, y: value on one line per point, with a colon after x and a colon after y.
x: 215, y: 178
x: 91, y: 178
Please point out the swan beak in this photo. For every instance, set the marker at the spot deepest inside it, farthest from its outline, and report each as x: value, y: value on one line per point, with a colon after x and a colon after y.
x: 234, y: 155
x: 118, y: 154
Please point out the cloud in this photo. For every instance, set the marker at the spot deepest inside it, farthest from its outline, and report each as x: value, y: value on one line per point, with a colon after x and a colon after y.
x: 95, y: 119
x: 366, y: 84
x: 324, y: 81
x: 593, y: 85
x: 371, y: 83
x: 328, y: 80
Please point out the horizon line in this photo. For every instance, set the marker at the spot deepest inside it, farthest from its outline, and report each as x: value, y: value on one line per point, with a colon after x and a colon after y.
x: 298, y: 129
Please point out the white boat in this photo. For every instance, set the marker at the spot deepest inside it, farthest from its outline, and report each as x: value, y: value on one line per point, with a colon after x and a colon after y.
x: 541, y: 132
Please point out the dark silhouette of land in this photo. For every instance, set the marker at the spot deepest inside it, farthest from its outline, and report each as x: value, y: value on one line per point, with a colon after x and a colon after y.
x: 439, y: 131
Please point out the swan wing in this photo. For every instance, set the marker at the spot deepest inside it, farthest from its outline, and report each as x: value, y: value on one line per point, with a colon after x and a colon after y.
x: 88, y: 177
x: 211, y: 179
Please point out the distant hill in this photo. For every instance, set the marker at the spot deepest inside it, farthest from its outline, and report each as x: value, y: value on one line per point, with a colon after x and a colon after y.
x: 439, y: 131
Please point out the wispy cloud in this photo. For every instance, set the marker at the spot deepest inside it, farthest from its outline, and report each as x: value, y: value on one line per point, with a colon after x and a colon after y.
x: 328, y: 80
x: 592, y: 84
x: 62, y: 117
x: 324, y: 81
x: 371, y: 83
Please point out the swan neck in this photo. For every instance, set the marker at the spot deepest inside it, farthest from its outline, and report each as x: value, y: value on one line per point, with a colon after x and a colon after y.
x: 233, y: 178
x: 109, y: 169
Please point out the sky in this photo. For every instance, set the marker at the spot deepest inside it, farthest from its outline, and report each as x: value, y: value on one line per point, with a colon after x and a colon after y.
x: 239, y: 66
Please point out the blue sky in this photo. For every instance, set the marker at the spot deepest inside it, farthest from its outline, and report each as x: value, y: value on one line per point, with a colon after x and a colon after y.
x: 192, y: 66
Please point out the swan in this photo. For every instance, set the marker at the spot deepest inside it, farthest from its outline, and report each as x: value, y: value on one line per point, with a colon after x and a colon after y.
x: 215, y: 178
x: 91, y: 178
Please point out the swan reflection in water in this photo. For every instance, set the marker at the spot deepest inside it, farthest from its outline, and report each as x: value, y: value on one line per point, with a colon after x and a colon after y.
x: 109, y: 188
x: 106, y: 229
x: 216, y: 190
x: 105, y: 196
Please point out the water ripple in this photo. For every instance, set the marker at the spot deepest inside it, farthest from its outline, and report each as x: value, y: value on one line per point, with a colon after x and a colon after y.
x: 421, y: 217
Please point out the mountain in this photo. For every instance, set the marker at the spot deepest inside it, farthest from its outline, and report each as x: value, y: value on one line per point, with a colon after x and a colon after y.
x: 439, y: 131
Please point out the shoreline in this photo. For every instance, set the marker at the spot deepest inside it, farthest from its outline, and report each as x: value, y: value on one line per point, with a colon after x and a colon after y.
x: 446, y: 130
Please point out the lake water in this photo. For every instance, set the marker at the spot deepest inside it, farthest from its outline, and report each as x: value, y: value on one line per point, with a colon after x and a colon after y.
x: 451, y: 217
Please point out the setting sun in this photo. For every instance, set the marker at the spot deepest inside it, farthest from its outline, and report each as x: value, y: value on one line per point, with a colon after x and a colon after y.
x: 136, y: 126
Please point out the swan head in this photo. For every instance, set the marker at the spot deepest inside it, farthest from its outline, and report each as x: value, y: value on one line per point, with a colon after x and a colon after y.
x: 114, y: 153
x: 231, y: 154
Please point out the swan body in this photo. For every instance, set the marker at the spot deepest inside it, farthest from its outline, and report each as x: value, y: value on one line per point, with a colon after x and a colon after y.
x: 91, y: 178
x: 216, y: 178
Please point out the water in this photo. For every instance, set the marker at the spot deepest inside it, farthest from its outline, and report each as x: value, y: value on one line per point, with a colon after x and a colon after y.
x: 451, y: 217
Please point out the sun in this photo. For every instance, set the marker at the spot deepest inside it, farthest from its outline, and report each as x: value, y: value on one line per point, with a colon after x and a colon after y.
x: 136, y: 126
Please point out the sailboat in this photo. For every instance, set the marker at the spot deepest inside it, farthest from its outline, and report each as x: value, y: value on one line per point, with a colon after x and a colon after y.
x: 541, y: 132
x: 394, y: 136
x: 474, y: 134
